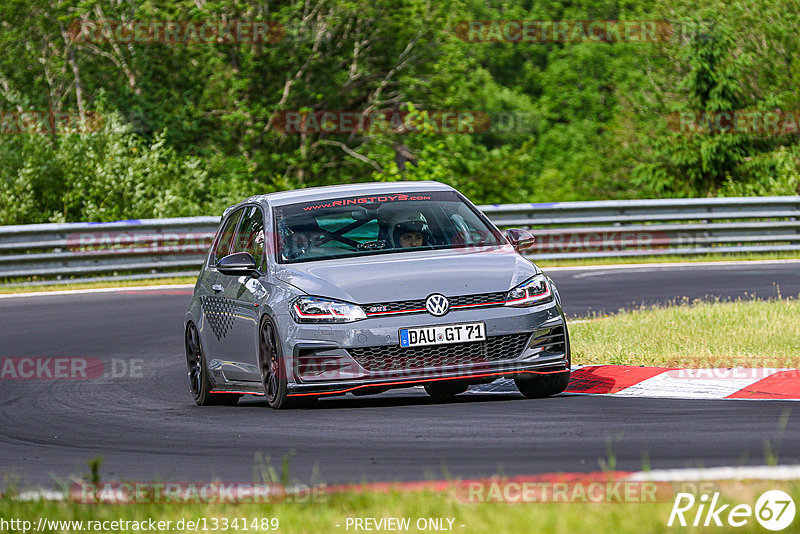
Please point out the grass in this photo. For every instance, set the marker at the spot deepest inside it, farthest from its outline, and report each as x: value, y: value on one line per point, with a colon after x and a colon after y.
x: 545, y: 263
x: 740, y: 333
x: 323, y: 517
x: 99, y: 285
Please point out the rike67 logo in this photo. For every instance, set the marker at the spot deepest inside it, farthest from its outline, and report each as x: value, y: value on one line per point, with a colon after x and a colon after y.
x: 774, y: 510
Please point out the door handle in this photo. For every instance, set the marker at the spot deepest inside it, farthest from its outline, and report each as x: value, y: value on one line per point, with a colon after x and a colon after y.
x: 217, y: 288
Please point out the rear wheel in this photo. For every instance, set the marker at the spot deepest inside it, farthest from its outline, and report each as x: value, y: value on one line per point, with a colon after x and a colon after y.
x: 445, y: 390
x: 199, y: 381
x: 543, y: 385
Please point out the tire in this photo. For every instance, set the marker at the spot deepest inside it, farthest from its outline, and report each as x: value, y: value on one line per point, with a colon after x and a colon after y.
x: 445, y: 390
x: 539, y: 386
x: 544, y: 385
x: 199, y: 381
x: 274, y: 376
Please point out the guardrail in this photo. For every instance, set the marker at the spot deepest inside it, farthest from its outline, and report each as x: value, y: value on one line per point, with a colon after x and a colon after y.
x: 656, y: 227
x: 151, y: 246
x: 156, y: 247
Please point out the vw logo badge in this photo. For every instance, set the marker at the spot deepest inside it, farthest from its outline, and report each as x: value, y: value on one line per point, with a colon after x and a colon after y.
x: 437, y: 305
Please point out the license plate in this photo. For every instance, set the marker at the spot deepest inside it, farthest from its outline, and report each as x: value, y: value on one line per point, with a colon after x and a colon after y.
x: 442, y: 334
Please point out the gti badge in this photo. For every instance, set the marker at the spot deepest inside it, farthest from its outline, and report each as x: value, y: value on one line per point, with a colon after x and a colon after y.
x: 437, y: 304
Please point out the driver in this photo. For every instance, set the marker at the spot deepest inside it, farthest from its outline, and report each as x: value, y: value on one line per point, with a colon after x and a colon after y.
x: 409, y: 229
x: 410, y: 239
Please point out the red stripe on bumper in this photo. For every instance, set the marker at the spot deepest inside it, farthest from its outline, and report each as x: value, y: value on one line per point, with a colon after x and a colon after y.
x: 422, y: 381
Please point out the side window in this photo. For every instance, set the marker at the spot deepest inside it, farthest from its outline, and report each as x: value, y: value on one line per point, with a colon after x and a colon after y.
x: 468, y: 229
x: 250, y: 237
x: 226, y: 237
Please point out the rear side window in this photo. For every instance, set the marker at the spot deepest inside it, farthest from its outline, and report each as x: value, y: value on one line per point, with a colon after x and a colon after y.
x: 250, y: 237
x: 226, y: 237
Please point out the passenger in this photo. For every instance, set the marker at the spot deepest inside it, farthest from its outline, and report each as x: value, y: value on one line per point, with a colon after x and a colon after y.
x: 304, y: 236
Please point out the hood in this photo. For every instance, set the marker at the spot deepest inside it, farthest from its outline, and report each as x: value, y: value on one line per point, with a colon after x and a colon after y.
x: 410, y: 275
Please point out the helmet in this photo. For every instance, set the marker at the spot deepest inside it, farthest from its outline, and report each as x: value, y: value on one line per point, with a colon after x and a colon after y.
x: 407, y: 221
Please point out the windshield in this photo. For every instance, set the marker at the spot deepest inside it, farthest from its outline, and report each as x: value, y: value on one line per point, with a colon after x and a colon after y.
x: 380, y: 224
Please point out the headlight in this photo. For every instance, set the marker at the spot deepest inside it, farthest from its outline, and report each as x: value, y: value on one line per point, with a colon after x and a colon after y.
x: 320, y: 310
x: 535, y: 290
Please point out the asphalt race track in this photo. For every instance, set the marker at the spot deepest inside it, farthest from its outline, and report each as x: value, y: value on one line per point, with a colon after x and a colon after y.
x: 148, y: 428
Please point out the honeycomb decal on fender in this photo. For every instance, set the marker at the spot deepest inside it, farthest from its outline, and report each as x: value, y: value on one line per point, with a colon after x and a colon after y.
x: 219, y: 313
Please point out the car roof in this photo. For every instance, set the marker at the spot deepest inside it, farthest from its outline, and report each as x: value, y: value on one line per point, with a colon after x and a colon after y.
x: 311, y: 194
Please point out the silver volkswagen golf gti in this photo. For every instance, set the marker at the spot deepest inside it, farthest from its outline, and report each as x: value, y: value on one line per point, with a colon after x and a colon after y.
x: 367, y: 287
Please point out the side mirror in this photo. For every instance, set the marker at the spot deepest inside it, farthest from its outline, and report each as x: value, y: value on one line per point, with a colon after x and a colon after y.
x: 237, y: 264
x: 520, y: 238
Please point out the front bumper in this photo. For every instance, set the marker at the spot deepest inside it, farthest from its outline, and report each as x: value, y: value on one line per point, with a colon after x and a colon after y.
x: 365, y: 357
x: 376, y: 386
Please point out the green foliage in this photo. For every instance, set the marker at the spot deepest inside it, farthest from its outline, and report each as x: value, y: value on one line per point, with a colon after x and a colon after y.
x: 727, y: 63
x: 108, y: 175
x: 190, y: 128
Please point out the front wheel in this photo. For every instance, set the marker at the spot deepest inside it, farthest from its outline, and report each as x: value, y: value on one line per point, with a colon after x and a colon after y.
x: 273, y: 374
x: 543, y: 385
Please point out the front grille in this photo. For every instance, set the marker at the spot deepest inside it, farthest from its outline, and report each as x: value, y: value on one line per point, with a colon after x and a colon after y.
x: 418, y: 305
x: 394, y: 357
x: 394, y: 307
x: 471, y: 300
